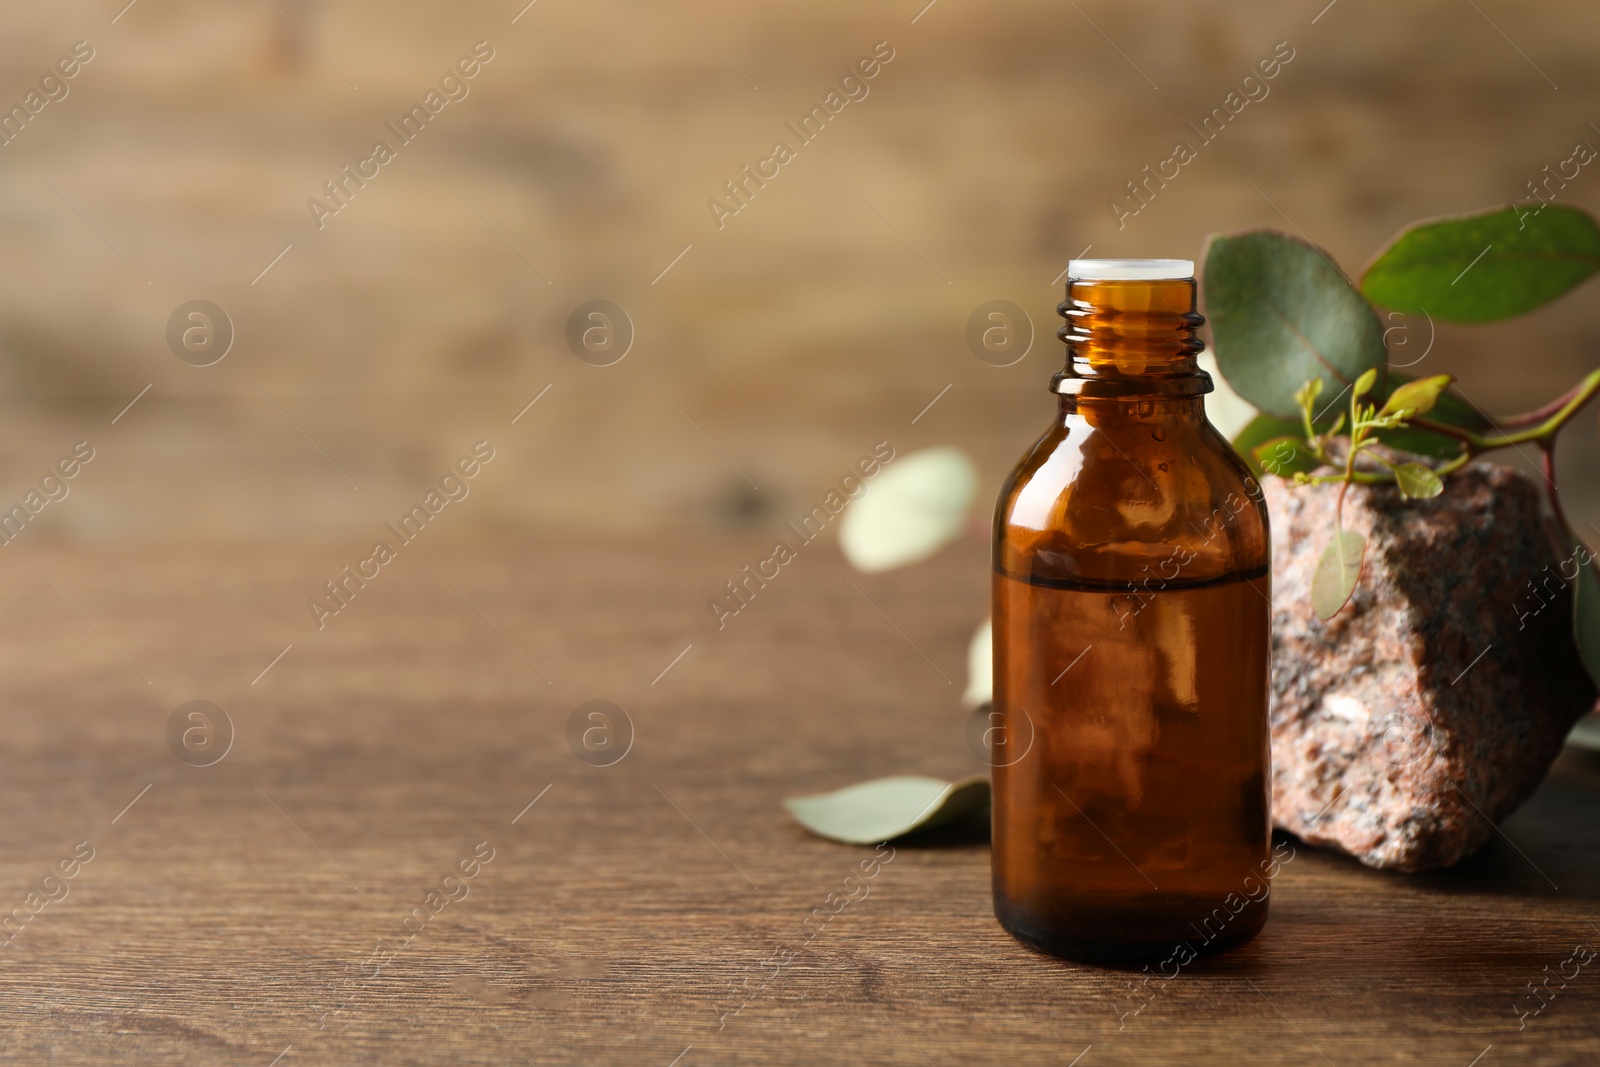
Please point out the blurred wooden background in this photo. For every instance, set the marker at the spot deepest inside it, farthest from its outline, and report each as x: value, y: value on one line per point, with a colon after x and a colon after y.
x: 820, y: 319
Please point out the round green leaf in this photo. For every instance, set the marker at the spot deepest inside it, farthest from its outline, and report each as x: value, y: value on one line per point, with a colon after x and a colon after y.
x: 1422, y: 443
x: 1337, y: 573
x: 1281, y: 314
x: 1258, y: 431
x: 1418, y: 481
x: 1484, y: 267
x: 1284, y: 457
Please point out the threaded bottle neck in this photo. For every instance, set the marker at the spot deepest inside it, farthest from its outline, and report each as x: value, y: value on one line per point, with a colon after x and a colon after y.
x: 1131, y: 336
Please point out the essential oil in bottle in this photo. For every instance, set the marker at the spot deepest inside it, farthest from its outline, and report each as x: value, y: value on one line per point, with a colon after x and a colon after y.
x: 1131, y: 644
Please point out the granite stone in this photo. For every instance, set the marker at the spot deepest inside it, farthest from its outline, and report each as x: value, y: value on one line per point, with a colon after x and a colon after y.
x: 1407, y: 726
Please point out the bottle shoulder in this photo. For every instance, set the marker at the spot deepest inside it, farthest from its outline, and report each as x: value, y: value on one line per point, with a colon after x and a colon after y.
x: 1105, y: 500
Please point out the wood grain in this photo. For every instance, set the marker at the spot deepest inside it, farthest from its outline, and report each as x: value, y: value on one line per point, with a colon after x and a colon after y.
x: 231, y: 908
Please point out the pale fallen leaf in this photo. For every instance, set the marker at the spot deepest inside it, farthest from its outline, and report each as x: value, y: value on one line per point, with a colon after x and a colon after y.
x: 1586, y: 734
x: 916, y: 505
x: 980, y: 667
x: 887, y: 808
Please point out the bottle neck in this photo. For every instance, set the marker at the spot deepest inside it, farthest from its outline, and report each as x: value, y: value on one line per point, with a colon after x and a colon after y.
x: 1129, y: 339
x: 1104, y: 411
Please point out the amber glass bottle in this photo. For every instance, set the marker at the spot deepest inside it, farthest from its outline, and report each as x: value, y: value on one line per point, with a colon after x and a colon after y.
x: 1131, y: 611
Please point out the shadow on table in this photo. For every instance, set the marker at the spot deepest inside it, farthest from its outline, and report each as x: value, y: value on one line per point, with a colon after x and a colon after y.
x: 1549, y: 847
x: 971, y: 831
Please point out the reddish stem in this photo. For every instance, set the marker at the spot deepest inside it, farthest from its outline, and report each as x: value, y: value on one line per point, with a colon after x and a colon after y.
x: 1538, y: 415
x: 1442, y: 428
x: 1547, y: 465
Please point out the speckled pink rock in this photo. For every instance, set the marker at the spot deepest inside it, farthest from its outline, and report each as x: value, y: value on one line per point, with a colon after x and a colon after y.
x: 1437, y: 699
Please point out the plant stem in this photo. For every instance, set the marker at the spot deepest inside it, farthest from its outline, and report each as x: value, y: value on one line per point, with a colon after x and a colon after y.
x: 1547, y: 465
x: 1574, y: 402
x: 1539, y: 414
x: 1349, y: 475
x: 1454, y: 465
x: 1542, y: 425
x: 1446, y: 430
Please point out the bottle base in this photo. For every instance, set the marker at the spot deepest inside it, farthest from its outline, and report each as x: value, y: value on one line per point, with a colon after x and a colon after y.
x: 1133, y: 948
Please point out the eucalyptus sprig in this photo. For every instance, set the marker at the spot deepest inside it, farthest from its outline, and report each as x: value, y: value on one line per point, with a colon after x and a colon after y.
x: 1287, y: 325
x: 1298, y: 458
x: 1339, y: 568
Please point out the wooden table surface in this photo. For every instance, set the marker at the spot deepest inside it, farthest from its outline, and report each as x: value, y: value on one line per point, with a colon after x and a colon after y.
x: 230, y: 913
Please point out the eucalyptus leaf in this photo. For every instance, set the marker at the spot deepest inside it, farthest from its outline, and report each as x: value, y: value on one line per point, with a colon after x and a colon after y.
x: 1422, y: 443
x: 1259, y: 431
x: 915, y: 506
x: 1417, y: 481
x: 1337, y: 573
x: 1417, y: 397
x: 1449, y: 408
x: 888, y: 808
x: 1305, y: 397
x: 1281, y: 314
x: 1586, y: 615
x: 1364, y: 383
x: 980, y: 667
x: 1284, y: 457
x: 1487, y: 266
x: 1586, y: 734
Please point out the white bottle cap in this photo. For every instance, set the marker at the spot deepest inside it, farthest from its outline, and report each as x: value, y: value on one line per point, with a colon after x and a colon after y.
x: 1130, y: 270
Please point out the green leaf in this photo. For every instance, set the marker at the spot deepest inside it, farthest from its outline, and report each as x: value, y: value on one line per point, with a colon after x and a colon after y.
x: 1337, y: 573
x: 1281, y: 314
x: 1449, y: 408
x: 1363, y: 384
x: 1484, y: 267
x: 1259, y: 431
x: 1417, y: 481
x: 1586, y: 614
x: 1305, y: 397
x: 1422, y: 443
x: 888, y: 808
x: 1284, y: 457
x: 1418, y: 397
